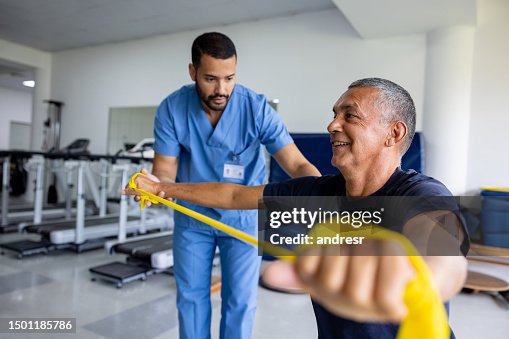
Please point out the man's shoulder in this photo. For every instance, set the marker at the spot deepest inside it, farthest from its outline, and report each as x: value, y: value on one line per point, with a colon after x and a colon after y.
x: 411, y: 182
x: 181, y: 93
x: 172, y: 105
x: 326, y: 185
x: 244, y: 93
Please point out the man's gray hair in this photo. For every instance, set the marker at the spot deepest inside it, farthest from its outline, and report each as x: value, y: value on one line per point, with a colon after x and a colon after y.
x: 394, y: 102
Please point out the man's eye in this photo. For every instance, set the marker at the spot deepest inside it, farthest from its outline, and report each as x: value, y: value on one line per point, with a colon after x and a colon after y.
x: 209, y: 79
x: 349, y: 116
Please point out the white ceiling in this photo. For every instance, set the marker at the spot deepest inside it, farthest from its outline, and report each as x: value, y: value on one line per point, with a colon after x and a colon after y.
x: 382, y: 18
x: 55, y: 25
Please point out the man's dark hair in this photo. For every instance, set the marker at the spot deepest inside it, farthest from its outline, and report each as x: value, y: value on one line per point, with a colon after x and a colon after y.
x: 215, y: 44
x: 394, y: 102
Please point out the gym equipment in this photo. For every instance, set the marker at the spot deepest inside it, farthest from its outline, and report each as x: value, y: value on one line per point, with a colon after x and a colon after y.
x: 150, y: 255
x: 12, y: 215
x: 19, y: 176
x: 497, y: 288
x: 77, y: 147
x: 147, y: 255
x: 51, y: 139
x: 83, y: 234
x: 52, y: 125
x: 480, y: 282
x: 143, y: 149
x: 490, y: 260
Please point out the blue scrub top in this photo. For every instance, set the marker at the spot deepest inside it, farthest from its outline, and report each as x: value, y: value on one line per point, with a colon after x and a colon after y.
x: 181, y: 129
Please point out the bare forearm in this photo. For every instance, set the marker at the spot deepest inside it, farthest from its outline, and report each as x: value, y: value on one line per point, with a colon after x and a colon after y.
x: 164, y: 176
x: 294, y: 163
x: 449, y: 274
x: 214, y: 195
x: 305, y: 170
x: 165, y: 168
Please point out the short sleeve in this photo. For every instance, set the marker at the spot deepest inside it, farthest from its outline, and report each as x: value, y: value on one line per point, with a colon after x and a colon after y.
x: 166, y: 142
x: 273, y: 132
x: 428, y: 194
x: 303, y: 186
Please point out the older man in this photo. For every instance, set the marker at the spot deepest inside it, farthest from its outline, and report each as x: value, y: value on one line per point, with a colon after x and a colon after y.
x: 354, y: 296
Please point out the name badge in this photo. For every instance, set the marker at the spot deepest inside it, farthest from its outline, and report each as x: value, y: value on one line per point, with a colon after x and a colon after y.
x: 233, y: 171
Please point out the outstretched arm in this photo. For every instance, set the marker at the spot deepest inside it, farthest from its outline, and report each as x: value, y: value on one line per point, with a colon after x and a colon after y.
x: 214, y: 195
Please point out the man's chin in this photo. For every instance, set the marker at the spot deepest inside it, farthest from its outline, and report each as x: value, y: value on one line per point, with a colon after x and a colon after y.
x: 217, y: 108
x: 338, y: 163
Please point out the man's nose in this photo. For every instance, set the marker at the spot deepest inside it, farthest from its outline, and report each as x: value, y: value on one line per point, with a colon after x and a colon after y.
x: 220, y: 88
x: 336, y: 125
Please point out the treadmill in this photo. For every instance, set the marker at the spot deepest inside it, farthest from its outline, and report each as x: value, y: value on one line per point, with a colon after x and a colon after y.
x: 84, y: 234
x: 14, y: 214
x: 146, y: 255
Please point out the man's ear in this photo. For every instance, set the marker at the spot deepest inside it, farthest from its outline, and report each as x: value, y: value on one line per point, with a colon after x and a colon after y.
x: 192, y: 72
x: 397, y: 134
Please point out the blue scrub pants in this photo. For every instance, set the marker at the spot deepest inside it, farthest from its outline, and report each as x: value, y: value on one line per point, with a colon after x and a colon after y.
x: 193, y: 251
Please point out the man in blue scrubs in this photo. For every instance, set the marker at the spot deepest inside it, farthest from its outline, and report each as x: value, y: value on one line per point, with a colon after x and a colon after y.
x: 358, y: 296
x: 213, y: 130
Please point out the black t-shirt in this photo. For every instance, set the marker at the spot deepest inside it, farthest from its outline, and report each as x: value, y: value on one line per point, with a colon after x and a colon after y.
x: 401, y: 183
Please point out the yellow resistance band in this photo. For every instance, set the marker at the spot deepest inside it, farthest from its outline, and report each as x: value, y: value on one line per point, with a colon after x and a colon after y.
x: 277, y: 251
x: 426, y: 317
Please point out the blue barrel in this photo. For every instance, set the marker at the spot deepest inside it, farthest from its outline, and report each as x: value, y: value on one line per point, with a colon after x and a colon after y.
x: 495, y: 217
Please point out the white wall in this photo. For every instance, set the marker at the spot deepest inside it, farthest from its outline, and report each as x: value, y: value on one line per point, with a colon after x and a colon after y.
x: 306, y: 61
x: 449, y: 60
x: 20, y: 134
x: 488, y: 162
x: 41, y: 62
x: 15, y: 105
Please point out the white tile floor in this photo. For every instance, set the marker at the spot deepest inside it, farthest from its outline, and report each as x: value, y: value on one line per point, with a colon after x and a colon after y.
x: 59, y: 285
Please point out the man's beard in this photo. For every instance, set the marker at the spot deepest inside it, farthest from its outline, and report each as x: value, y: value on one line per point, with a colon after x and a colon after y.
x: 207, y: 100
